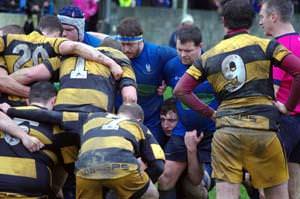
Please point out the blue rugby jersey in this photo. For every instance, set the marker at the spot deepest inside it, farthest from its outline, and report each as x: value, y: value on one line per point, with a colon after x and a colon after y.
x: 189, y: 118
x: 149, y: 72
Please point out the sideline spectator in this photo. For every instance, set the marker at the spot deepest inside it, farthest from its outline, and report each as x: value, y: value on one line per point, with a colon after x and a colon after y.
x: 90, y: 8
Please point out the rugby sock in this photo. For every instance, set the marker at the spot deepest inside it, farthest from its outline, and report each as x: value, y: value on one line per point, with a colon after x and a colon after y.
x: 169, y: 194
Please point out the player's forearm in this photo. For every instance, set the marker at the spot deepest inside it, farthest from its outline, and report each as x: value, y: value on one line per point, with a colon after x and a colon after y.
x: 184, y: 92
x: 195, y: 172
x: 9, y: 126
x: 27, y: 76
x: 41, y: 115
x: 99, y: 35
x: 10, y: 86
x: 85, y: 51
x: 22, y: 76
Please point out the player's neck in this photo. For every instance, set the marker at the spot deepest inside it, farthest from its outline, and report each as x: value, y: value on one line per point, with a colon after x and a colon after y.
x: 41, y: 105
x: 123, y: 115
x: 282, y: 29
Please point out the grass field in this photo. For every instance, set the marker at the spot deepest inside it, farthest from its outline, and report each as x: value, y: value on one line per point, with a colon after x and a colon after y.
x: 244, y: 195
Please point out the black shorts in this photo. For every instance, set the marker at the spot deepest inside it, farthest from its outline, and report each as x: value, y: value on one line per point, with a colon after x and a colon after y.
x: 175, y: 149
x: 289, y: 134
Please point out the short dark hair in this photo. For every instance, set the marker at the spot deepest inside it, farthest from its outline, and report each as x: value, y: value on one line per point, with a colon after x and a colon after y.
x: 133, y: 110
x: 189, y: 34
x: 12, y: 29
x: 168, y: 105
x: 41, y: 92
x: 237, y: 14
x: 130, y: 26
x: 285, y: 8
x: 50, y: 24
x: 110, y: 42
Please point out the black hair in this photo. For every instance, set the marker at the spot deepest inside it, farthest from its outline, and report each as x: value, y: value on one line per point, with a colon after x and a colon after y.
x: 237, y: 14
x: 188, y: 34
x: 168, y: 105
x: 130, y: 26
x: 41, y: 92
x: 50, y: 24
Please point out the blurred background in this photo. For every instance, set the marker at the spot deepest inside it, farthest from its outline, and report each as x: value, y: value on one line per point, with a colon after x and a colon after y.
x: 159, y: 18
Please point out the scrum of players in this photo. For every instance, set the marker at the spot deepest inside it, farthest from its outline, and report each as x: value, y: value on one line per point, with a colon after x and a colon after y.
x: 82, y: 114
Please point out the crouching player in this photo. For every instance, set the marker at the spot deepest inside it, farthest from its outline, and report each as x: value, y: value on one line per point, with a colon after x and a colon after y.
x: 110, y: 148
x: 23, y: 172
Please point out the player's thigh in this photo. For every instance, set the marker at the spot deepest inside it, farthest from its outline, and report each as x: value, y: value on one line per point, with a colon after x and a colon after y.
x: 88, y: 189
x: 133, y: 185
x: 171, y: 174
x: 227, y: 155
x: 265, y: 159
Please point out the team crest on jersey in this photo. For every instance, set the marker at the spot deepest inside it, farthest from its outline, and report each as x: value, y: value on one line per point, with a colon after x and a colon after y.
x: 12, y: 141
x: 176, y: 78
x: 148, y: 68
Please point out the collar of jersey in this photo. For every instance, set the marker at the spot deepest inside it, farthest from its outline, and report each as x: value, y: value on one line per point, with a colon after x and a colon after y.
x: 232, y: 33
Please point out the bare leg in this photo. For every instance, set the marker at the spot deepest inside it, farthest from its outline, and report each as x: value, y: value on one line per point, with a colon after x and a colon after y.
x: 193, y: 192
x: 226, y: 190
x: 151, y: 192
x: 294, y: 180
x: 171, y: 174
x: 277, y: 192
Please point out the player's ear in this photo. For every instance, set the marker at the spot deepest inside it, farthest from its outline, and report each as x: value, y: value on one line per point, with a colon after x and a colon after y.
x: 53, y: 100
x: 27, y: 102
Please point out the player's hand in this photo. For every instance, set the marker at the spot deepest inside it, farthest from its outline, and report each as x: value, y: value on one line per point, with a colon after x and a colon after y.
x: 116, y: 71
x: 161, y: 89
x: 4, y: 107
x: 281, y: 107
x: 129, y: 94
x: 191, y: 140
x: 143, y: 166
x: 60, y: 194
x: 32, y: 143
x: 214, y: 116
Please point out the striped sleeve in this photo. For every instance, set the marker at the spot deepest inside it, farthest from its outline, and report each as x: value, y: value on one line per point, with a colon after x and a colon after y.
x: 150, y: 149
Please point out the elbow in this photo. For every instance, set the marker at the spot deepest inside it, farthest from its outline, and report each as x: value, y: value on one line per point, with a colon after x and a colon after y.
x: 155, y: 170
x: 160, y: 169
x: 68, y: 48
x: 177, y: 92
x: 195, y: 181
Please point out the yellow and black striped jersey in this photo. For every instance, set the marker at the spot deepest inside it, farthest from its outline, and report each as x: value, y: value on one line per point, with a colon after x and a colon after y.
x: 110, y: 146
x: 87, y: 86
x: 22, y: 51
x: 19, y: 51
x: 24, y: 172
x: 67, y: 125
x: 239, y: 69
